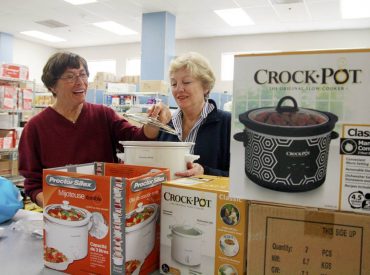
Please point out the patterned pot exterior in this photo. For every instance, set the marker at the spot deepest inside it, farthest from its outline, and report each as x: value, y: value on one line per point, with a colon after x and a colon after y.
x: 285, y: 163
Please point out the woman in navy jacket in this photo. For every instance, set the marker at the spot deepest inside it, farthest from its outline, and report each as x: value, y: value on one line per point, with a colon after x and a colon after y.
x: 197, y: 118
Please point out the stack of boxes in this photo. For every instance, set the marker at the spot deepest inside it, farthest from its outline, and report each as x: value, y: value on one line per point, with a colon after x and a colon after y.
x: 325, y: 230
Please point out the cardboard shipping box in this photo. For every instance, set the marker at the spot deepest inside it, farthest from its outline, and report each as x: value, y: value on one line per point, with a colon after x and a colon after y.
x: 102, y: 218
x: 14, y: 71
x: 8, y: 138
x: 154, y: 86
x: 203, y: 230
x: 289, y: 240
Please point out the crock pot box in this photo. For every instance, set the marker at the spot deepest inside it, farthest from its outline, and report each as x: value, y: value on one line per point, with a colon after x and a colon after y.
x: 270, y: 165
x: 203, y: 230
x: 292, y: 240
x: 102, y: 218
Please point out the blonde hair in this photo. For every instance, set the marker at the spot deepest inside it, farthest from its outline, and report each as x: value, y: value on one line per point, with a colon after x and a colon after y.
x: 198, y: 66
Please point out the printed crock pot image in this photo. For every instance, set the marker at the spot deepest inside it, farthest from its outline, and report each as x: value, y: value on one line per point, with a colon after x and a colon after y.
x: 186, y: 244
x: 286, y: 148
x: 227, y: 269
x: 140, y: 235
x: 67, y: 229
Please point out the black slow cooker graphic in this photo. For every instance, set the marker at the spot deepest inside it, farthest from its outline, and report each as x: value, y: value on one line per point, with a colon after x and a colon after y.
x: 286, y: 148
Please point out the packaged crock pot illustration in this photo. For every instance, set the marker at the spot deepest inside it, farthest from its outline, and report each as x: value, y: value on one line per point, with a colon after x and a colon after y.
x: 172, y: 155
x: 67, y: 229
x: 140, y: 235
x: 229, y: 245
x: 227, y: 269
x: 286, y: 148
x: 186, y: 244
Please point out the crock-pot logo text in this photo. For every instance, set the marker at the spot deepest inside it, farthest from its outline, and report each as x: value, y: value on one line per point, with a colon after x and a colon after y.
x: 297, y: 154
x: 147, y: 183
x: 75, y: 183
x: 196, y: 201
x: 321, y: 76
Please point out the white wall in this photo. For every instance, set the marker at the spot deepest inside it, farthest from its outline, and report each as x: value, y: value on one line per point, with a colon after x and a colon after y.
x: 35, y: 56
x: 212, y: 48
x: 32, y: 55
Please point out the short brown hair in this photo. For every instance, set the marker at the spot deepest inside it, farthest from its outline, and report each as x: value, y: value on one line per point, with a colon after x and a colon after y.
x: 57, y: 64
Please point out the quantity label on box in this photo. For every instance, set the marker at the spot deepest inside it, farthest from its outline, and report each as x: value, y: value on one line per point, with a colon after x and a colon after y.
x: 312, y: 255
x: 355, y: 163
x: 306, y: 241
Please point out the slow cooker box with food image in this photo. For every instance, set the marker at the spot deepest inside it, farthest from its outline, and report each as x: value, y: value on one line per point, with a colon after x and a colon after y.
x: 102, y: 218
x: 203, y: 229
x: 266, y: 162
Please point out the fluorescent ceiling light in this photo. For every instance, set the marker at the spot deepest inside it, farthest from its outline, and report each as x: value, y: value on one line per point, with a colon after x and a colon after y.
x: 114, y: 27
x: 235, y: 17
x: 80, y: 2
x: 355, y: 8
x: 43, y: 36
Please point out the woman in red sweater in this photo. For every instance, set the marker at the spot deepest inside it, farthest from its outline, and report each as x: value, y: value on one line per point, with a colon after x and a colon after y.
x: 73, y: 131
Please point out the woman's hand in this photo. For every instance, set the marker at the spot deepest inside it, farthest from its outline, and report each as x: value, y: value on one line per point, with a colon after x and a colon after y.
x: 160, y: 112
x: 194, y: 169
x: 40, y: 199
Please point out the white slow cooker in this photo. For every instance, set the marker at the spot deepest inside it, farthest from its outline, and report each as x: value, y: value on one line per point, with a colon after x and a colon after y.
x: 186, y: 244
x: 67, y: 228
x: 140, y: 236
x: 172, y: 155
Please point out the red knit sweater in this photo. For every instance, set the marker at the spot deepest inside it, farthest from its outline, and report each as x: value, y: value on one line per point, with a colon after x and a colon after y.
x: 50, y: 140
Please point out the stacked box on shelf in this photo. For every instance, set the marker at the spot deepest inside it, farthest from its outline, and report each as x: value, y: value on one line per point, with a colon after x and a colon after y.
x: 43, y: 99
x: 25, y: 99
x: 8, y: 164
x: 14, y: 71
x: 154, y: 86
x: 120, y: 88
x: 8, y: 97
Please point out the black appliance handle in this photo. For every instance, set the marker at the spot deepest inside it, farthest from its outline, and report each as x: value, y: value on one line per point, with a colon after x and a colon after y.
x: 334, y: 135
x: 241, y: 137
x: 291, y: 109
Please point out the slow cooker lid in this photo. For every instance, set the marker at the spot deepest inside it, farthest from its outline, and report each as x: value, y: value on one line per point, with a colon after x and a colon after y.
x: 187, y: 231
x: 140, y: 216
x: 287, y: 120
x: 66, y: 214
x: 299, y: 118
x: 156, y: 144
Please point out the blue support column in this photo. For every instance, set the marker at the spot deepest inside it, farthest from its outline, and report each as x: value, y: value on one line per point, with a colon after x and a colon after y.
x: 157, y: 45
x: 6, y: 48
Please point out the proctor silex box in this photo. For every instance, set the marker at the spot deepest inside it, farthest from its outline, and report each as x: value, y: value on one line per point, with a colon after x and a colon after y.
x: 102, y: 218
x: 203, y: 230
x: 289, y: 240
x: 301, y: 129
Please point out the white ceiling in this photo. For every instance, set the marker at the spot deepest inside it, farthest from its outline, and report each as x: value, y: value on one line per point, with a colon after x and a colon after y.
x: 194, y: 18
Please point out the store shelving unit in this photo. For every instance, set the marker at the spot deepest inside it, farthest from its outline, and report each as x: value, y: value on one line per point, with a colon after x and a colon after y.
x: 121, y: 102
x: 12, y: 118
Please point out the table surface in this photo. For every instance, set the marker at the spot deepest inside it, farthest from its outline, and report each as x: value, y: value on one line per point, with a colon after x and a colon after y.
x: 20, y: 251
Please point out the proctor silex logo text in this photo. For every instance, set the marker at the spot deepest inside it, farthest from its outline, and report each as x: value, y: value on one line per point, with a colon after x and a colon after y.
x: 187, y: 199
x: 147, y: 182
x: 69, y: 182
x: 320, y: 76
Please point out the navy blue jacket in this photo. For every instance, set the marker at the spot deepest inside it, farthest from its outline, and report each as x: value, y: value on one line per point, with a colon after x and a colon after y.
x: 212, y: 143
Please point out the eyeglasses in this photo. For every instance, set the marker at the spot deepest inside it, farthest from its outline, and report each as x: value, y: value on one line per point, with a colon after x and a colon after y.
x: 72, y: 78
